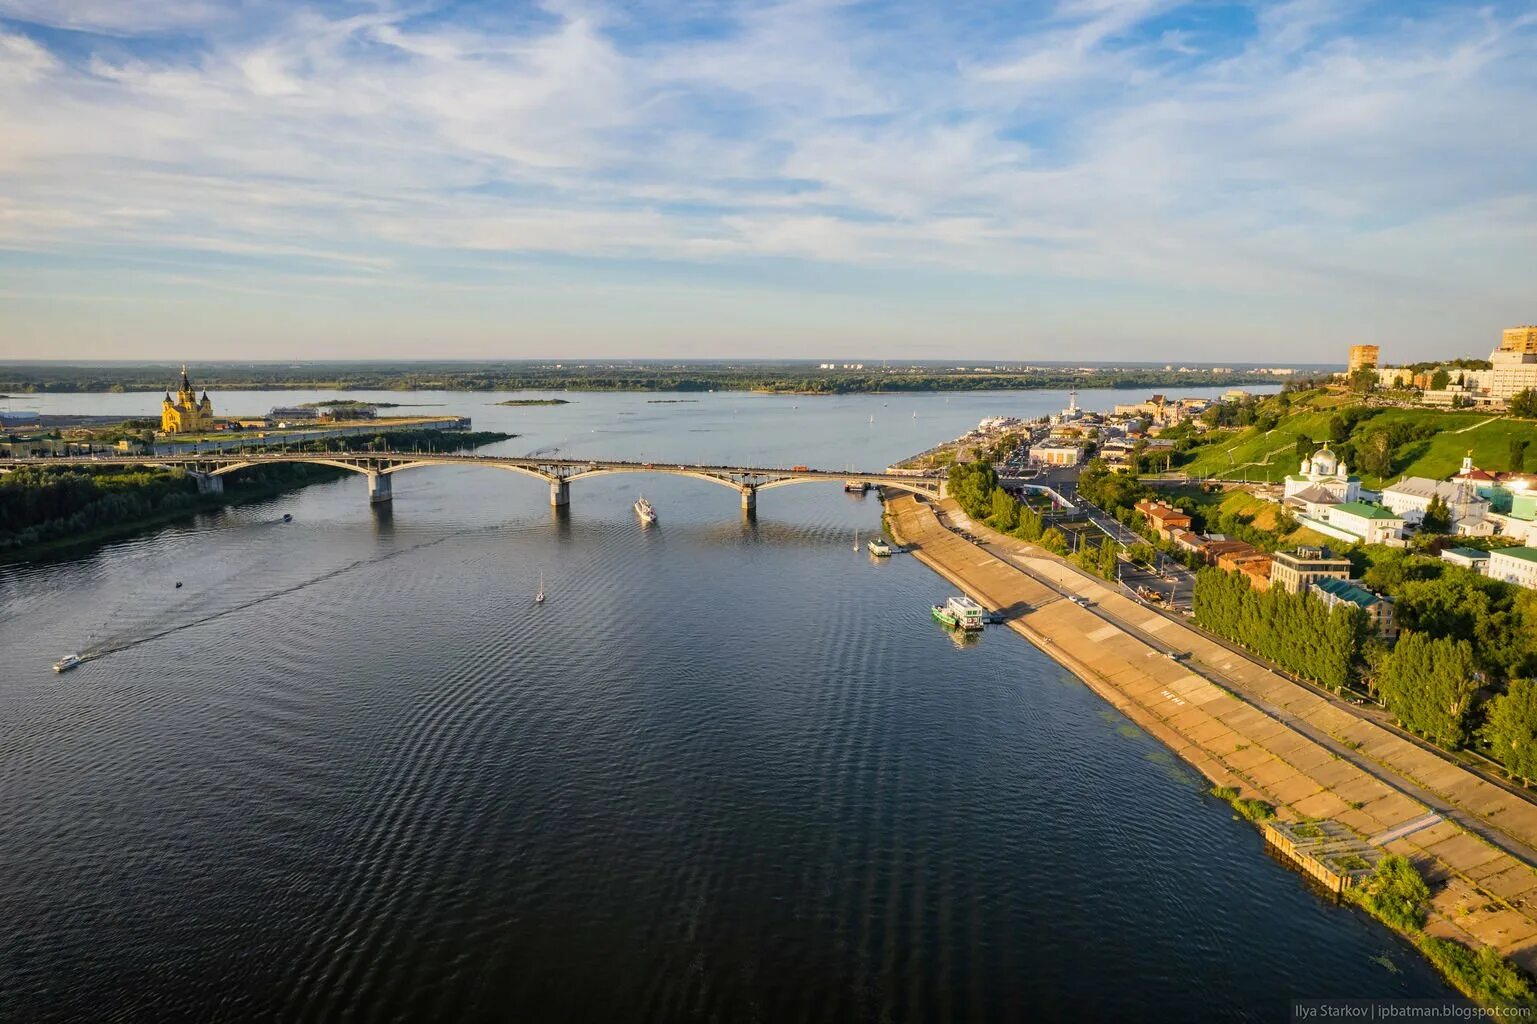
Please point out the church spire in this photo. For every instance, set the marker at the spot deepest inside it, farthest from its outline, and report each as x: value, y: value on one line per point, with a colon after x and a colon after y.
x: 186, y: 385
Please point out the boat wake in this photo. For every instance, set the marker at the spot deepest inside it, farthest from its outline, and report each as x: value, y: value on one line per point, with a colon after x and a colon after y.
x: 117, y: 645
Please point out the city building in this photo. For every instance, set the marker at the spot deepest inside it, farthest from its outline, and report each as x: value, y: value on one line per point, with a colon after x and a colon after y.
x: 1511, y: 371
x: 186, y: 415
x: 1219, y: 549
x: 1379, y: 610
x: 1293, y: 571
x: 1362, y: 356
x: 1057, y: 453
x: 1253, y: 564
x: 1325, y: 470
x: 1519, y: 339
x: 1468, y: 558
x: 1163, y: 517
x: 1412, y: 495
x: 1514, y: 565
x: 1357, y: 521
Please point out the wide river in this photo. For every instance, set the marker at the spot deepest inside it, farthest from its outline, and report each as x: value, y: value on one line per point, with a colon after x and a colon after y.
x: 730, y: 770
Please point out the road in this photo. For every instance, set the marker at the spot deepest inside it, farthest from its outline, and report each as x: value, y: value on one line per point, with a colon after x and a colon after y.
x: 1009, y: 551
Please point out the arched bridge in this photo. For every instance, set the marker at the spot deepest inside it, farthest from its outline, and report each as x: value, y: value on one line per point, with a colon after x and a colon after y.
x: 379, y: 467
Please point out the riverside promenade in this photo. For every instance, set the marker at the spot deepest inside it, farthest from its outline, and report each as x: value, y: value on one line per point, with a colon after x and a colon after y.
x: 1241, y: 725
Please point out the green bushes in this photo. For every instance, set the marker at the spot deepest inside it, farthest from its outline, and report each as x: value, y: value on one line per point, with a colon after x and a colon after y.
x: 1251, y: 809
x: 1484, y: 976
x: 1296, y: 631
x: 1394, y: 893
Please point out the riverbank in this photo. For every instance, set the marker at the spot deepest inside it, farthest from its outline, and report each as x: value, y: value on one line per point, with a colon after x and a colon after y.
x: 49, y: 511
x: 1265, y: 737
x: 197, y: 504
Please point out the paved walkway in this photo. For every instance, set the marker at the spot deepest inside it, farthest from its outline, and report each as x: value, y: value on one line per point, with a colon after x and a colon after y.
x: 1242, y: 725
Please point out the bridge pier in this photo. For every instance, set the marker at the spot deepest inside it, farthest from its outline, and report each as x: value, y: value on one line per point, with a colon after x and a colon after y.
x: 207, y: 483
x: 560, y: 494
x: 378, y: 488
x: 750, y: 500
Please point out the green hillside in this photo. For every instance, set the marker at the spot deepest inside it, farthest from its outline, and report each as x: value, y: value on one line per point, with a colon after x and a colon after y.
x: 1271, y: 454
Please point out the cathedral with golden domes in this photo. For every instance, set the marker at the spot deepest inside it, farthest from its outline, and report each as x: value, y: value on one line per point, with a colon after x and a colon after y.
x: 186, y: 415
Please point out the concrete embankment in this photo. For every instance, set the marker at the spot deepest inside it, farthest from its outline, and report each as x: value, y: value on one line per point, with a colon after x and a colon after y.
x: 1243, y: 726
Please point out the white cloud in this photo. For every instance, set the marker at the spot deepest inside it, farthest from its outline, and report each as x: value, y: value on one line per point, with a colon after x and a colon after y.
x: 1309, y: 162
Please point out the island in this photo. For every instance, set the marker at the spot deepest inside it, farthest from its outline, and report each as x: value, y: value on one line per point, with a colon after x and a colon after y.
x: 534, y: 401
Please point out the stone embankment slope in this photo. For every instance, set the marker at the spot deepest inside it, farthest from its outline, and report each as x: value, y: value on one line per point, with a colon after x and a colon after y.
x: 1241, y: 725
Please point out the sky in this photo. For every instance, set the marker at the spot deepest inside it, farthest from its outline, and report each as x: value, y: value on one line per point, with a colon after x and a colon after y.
x: 1096, y: 179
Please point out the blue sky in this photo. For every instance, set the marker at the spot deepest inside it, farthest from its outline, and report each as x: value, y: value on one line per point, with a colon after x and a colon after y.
x: 1138, y: 179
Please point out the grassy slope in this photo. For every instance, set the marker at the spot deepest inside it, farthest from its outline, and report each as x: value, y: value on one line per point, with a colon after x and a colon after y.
x: 1437, y: 457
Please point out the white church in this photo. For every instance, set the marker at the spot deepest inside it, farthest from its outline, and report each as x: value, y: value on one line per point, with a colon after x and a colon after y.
x: 1324, y: 471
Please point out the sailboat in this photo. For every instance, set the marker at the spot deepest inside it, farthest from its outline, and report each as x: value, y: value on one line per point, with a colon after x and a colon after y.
x: 539, y: 597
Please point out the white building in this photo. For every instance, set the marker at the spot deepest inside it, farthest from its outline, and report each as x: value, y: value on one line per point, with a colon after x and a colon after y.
x: 1411, y: 496
x: 1323, y: 469
x: 1056, y: 454
x: 1356, y: 521
x: 1468, y: 558
x: 1510, y: 372
x: 1514, y: 565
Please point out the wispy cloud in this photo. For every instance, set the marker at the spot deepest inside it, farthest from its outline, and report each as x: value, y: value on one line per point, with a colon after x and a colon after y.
x: 1318, y: 153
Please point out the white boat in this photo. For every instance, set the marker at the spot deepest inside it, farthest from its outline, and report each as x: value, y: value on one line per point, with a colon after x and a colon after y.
x: 66, y: 663
x: 539, y: 597
x: 645, y: 511
x: 959, y: 613
x: 856, y: 486
x: 856, y: 540
x: 879, y: 548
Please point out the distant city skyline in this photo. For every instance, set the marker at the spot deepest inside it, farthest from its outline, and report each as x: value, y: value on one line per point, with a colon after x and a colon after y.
x: 1138, y: 180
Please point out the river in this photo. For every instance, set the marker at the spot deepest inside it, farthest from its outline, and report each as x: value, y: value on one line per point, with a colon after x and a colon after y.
x: 729, y: 770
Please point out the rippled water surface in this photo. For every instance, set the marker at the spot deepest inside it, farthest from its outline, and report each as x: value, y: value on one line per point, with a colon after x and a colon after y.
x: 729, y: 770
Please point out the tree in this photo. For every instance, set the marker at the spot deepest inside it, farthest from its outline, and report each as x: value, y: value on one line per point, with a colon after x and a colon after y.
x: 1523, y: 404
x: 1005, y: 510
x: 1517, y: 455
x: 1428, y: 684
x: 1438, y: 517
x: 1030, y: 526
x: 1440, y: 379
x: 1109, y: 561
x: 1511, y: 728
x: 1338, y: 428
x: 1055, y: 541
x: 1374, y: 453
x: 1363, y: 380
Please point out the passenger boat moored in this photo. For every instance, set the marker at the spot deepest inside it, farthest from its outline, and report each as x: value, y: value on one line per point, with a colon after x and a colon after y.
x: 959, y: 613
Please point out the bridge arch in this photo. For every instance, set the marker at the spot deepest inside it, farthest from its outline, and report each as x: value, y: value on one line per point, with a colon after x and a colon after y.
x: 708, y: 477
x: 927, y: 491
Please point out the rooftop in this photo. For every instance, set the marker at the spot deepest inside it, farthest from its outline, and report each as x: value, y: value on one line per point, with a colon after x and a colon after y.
x: 1524, y: 554
x: 1346, y: 590
x: 1466, y: 552
x: 1364, y: 511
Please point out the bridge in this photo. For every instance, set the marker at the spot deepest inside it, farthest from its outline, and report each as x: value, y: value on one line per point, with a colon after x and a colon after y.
x: 380, y: 467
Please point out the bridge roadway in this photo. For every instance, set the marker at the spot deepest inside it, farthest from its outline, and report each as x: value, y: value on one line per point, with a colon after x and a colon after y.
x: 209, y: 468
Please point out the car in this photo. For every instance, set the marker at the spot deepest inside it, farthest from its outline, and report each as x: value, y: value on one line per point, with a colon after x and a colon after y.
x: 1175, y: 655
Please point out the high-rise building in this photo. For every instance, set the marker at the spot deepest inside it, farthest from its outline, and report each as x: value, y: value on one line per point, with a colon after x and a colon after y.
x: 1363, y: 356
x: 1519, y: 339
